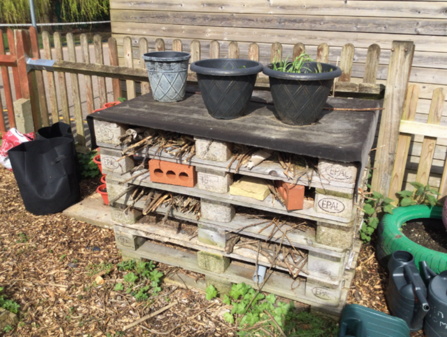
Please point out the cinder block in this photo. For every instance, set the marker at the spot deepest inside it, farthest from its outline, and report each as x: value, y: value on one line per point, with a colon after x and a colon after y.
x: 212, y: 262
x: 114, y: 189
x: 213, y: 150
x: 165, y: 172
x: 292, y: 194
x: 128, y: 218
x: 223, y: 287
x: 213, y: 237
x: 332, y: 205
x: 110, y: 163
x: 128, y: 241
x: 214, y: 181
x: 216, y: 211
x: 321, y: 293
x: 325, y: 265
x: 107, y: 134
x: 250, y: 187
x: 336, y: 171
x: 335, y: 236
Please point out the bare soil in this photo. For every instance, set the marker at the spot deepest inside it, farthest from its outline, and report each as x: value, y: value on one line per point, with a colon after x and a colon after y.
x: 429, y: 233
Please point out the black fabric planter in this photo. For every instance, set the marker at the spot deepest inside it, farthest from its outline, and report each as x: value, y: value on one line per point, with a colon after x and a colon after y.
x: 226, y: 85
x: 299, y: 98
x: 45, y: 171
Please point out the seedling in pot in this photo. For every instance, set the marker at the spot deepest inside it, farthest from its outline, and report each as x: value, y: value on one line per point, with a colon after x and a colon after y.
x: 298, y: 65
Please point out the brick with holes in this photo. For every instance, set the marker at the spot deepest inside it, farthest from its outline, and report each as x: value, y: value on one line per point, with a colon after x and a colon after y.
x: 165, y: 172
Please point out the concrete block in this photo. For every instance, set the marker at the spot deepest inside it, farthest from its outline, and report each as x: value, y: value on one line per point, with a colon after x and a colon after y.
x: 107, y: 134
x: 250, y: 187
x: 128, y: 241
x: 335, y: 236
x: 23, y: 115
x: 332, y: 205
x: 213, y: 150
x: 214, y: 181
x: 325, y: 265
x: 114, y: 189
x: 110, y: 165
x: 223, y: 287
x: 216, y: 211
x: 321, y: 293
x: 131, y: 217
x: 213, y: 237
x: 336, y: 171
x: 212, y: 262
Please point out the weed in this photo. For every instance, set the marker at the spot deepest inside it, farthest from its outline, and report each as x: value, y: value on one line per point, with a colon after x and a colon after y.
x: 93, y: 269
x: 63, y: 257
x: 118, y: 287
x: 298, y: 66
x: 21, y: 324
x: 211, y: 292
x: 130, y: 278
x: 88, y: 168
x: 22, y: 238
x: 126, y: 265
x: 8, y: 328
x: 9, y: 305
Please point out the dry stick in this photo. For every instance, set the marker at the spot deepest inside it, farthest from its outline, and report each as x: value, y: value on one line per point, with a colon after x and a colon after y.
x: 148, y: 202
x: 133, y: 177
x: 279, y: 328
x: 150, y: 315
x: 128, y: 189
x: 271, y: 223
x: 242, y: 228
x: 140, y: 195
x: 168, y: 210
x: 137, y: 144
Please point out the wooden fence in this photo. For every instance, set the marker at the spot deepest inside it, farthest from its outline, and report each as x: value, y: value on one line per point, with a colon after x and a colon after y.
x: 134, y: 74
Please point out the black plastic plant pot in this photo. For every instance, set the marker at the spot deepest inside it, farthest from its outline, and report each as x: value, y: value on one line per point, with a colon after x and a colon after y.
x: 300, y: 98
x: 226, y: 85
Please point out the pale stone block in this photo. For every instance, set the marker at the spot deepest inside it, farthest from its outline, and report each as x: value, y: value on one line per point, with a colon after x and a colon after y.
x: 212, y: 262
x: 110, y: 163
x: 251, y: 187
x: 23, y: 115
x: 107, y: 134
x: 332, y: 205
x: 218, y: 183
x: 335, y: 236
x: 212, y: 237
x: 128, y: 218
x: 128, y: 241
x: 213, y: 150
x: 325, y: 265
x: 216, y: 211
x: 336, y: 171
x: 321, y: 293
x: 114, y: 189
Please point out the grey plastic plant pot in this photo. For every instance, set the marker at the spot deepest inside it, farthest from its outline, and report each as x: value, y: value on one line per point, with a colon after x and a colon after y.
x: 300, y: 98
x: 226, y: 85
x: 167, y: 71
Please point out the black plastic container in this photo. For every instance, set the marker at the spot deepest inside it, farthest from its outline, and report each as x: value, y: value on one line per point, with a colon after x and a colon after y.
x: 300, y: 98
x: 406, y: 293
x: 435, y: 323
x: 226, y: 85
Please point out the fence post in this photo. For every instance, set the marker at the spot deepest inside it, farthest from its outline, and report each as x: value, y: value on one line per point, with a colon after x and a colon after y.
x: 396, y: 88
x: 23, y: 115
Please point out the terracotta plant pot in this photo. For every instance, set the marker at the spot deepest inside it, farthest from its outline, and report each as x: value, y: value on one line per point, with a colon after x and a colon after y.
x: 107, y: 105
x: 102, y: 189
x: 103, y: 179
x: 97, y: 161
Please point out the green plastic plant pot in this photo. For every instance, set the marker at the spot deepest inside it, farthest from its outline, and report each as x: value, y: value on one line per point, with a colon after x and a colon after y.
x: 392, y: 239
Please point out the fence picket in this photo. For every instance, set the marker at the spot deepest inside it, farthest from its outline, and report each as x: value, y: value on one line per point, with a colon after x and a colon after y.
x: 99, y: 59
x: 233, y: 50
x: 372, y: 64
x: 37, y: 76
x: 15, y: 70
x: 346, y: 60
x: 214, y: 49
x: 276, y: 52
x: 253, y: 52
x: 143, y: 45
x: 177, y: 45
x: 85, y: 58
x: 50, y: 79
x: 7, y: 88
x: 323, y: 53
x: 79, y: 121
x: 159, y: 45
x: 196, y: 53
x: 298, y: 49
x: 113, y: 55
x: 429, y: 143
x: 61, y: 77
x: 128, y: 59
x: 403, y: 143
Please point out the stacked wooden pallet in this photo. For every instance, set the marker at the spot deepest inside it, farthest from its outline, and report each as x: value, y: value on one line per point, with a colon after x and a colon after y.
x: 322, y: 257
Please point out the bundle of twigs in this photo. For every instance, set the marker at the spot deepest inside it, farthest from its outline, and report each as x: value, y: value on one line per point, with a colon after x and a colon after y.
x: 296, y: 166
x: 241, y: 155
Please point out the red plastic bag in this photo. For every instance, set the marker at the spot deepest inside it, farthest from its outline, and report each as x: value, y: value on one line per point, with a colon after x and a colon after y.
x: 11, y: 139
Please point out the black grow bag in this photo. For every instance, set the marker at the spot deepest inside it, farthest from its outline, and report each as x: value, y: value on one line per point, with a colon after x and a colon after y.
x: 226, y: 85
x: 300, y: 98
x: 45, y: 171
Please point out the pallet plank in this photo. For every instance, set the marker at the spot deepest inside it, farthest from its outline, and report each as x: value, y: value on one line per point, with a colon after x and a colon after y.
x: 372, y: 64
x: 15, y: 71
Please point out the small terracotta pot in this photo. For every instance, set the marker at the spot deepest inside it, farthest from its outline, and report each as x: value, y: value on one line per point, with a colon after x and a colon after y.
x: 103, y: 179
x: 107, y: 105
x: 102, y: 189
x: 97, y: 161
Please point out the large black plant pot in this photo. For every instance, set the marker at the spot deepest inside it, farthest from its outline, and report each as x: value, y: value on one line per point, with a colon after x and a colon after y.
x: 226, y: 85
x: 300, y: 98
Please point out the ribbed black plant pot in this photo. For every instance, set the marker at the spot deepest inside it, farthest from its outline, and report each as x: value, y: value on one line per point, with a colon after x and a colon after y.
x: 226, y: 85
x: 300, y: 98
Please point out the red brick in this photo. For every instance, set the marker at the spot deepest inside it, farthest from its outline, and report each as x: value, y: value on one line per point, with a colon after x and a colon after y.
x: 165, y: 172
x: 293, y: 195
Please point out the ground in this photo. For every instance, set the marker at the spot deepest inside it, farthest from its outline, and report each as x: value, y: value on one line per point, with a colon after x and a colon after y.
x: 49, y: 265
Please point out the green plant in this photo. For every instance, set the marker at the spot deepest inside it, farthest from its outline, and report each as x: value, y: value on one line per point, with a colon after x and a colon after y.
x: 374, y: 206
x: 88, y: 168
x: 130, y: 278
x: 126, y: 265
x: 422, y: 195
x: 22, y: 238
x: 62, y: 257
x: 121, y: 99
x: 138, y: 272
x: 93, y: 269
x: 142, y: 295
x: 297, y: 66
x: 9, y: 305
x: 211, y: 292
x: 118, y: 287
x: 8, y: 328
